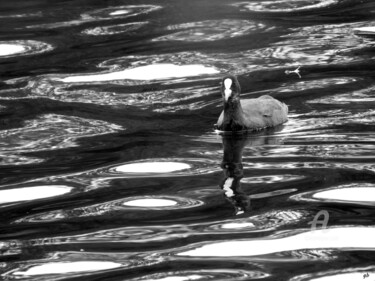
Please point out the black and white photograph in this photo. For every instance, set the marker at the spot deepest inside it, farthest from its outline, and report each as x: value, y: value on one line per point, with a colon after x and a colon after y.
x: 187, y: 140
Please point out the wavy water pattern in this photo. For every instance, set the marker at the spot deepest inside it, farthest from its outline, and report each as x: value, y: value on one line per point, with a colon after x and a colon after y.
x: 127, y: 28
x: 111, y: 168
x: 23, y: 48
x: 285, y: 6
x: 98, y: 15
x: 211, y: 30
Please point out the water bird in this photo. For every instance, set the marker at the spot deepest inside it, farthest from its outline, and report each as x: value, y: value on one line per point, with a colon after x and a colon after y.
x: 249, y: 114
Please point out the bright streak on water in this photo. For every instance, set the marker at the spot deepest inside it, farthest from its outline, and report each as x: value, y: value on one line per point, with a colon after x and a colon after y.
x: 363, y: 194
x: 149, y: 72
x: 152, y: 167
x: 150, y: 203
x: 32, y: 193
x: 286, y: 6
x: 177, y: 278
x: 67, y: 267
x: 119, y: 12
x: 340, y: 238
x: 369, y: 30
x: 237, y: 225
x: 11, y: 49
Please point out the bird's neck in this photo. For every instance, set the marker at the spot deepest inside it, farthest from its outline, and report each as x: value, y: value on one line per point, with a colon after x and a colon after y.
x: 233, y: 115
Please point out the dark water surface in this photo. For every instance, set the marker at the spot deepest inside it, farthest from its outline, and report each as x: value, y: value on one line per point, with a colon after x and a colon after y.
x: 111, y: 169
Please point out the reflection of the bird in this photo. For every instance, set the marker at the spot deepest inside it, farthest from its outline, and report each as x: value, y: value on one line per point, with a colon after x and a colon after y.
x: 232, y: 166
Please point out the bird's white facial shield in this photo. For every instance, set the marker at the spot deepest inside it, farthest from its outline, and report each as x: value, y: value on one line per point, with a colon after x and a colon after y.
x: 227, y: 91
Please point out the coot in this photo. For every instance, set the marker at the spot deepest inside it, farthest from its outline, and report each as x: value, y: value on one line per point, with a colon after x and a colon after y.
x: 249, y: 114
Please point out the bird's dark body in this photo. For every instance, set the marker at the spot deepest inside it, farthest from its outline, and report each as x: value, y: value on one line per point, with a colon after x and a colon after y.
x: 250, y: 114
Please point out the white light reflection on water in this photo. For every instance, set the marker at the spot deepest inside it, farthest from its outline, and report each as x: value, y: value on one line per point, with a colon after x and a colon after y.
x: 120, y: 12
x: 23, y: 47
x: 284, y: 5
x: 366, y: 30
x: 160, y: 167
x: 150, y: 202
x: 354, y: 193
x: 32, y: 193
x: 152, y: 167
x: 239, y: 225
x: 337, y: 238
x: 174, y: 278
x: 362, y: 194
x: 158, y: 97
x: 10, y: 49
x: 149, y: 72
x: 67, y: 267
x: 213, y: 274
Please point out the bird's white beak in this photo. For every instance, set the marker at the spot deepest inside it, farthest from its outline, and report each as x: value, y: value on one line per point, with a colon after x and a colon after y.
x: 227, y: 91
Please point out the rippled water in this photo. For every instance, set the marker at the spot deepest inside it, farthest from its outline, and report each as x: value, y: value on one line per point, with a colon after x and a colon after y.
x: 111, y: 168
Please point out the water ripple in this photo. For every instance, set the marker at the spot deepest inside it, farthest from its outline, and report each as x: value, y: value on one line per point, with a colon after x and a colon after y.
x: 340, y: 238
x: 161, y: 202
x: 285, y: 5
x: 272, y: 179
x: 262, y: 223
x: 213, y: 274
x: 143, y: 201
x: 359, y: 96
x: 32, y: 193
x: 164, y: 167
x: 128, y: 28
x: 113, y: 207
x: 353, y: 193
x: 149, y: 72
x: 211, y: 30
x: 151, y: 167
x: 119, y: 12
x: 105, y: 14
x: 353, y: 273
x: 23, y: 48
x: 13, y: 158
x: 62, y: 265
x: 50, y: 131
x: 319, y: 44
x: 23, y: 15
x: 57, y: 268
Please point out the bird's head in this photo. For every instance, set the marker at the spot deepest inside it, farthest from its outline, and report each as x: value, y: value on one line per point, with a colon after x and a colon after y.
x: 230, y: 88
